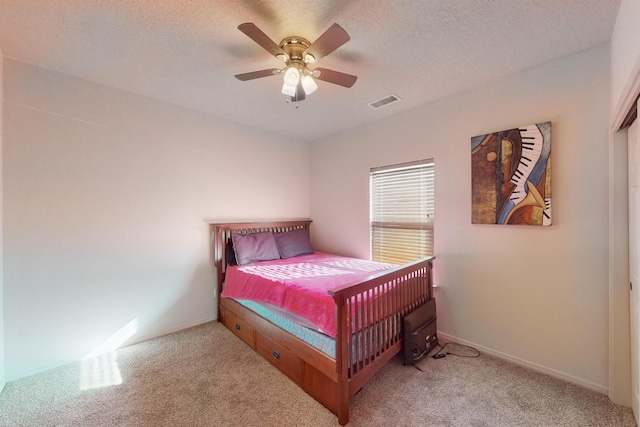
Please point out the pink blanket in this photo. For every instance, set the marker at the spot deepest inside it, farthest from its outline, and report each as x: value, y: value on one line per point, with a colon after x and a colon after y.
x: 299, y: 284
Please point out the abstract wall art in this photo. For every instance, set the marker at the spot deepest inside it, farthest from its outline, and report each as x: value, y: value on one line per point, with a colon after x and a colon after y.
x: 511, y: 176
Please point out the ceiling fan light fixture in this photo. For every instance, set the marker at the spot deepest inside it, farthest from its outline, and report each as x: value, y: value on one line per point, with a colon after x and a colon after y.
x: 309, y: 85
x: 297, y: 53
x: 288, y: 90
x: 292, y: 76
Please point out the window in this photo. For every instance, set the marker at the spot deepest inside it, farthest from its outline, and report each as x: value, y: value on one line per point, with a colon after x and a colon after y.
x: 402, y: 211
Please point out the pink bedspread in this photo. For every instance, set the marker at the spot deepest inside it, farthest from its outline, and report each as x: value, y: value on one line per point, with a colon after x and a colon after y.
x: 299, y: 284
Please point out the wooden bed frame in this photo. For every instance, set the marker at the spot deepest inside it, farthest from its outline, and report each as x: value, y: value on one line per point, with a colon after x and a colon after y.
x: 369, y: 323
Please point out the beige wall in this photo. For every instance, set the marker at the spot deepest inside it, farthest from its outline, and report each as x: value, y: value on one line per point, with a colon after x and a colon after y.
x: 107, y: 200
x: 535, y: 295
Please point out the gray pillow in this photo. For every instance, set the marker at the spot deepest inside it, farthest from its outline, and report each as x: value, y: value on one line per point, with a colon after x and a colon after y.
x: 254, y: 247
x: 293, y: 243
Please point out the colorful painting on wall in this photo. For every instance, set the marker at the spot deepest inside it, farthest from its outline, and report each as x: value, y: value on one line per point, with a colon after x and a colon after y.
x: 511, y: 176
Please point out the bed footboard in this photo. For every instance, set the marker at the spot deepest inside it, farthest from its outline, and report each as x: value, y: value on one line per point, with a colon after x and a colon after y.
x: 369, y: 323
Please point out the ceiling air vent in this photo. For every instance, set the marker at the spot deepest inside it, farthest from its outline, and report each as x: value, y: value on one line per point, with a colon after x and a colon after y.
x: 384, y: 101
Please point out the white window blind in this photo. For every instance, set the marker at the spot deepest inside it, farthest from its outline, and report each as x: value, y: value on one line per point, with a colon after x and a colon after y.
x: 402, y: 212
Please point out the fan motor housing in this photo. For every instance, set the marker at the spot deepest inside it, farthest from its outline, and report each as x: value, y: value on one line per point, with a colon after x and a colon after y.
x: 294, y: 47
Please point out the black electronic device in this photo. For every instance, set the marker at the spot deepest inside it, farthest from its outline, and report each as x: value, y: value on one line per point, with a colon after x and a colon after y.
x: 420, y: 332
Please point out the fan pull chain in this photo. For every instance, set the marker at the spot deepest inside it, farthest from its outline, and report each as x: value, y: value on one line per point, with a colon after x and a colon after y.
x: 288, y: 100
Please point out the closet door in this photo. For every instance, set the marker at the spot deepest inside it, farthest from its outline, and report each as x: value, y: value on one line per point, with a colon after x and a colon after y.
x: 634, y: 260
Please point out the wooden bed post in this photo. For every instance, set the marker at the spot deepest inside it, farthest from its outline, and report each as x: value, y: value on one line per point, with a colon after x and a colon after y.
x: 218, y: 251
x: 342, y: 357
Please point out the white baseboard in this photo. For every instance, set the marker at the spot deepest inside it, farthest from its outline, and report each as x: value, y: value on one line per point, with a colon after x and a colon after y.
x: 3, y: 382
x: 47, y: 367
x: 42, y: 368
x: 178, y: 328
x: 534, y: 366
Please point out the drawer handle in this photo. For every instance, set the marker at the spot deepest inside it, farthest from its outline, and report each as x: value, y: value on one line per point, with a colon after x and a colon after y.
x: 238, y: 326
x: 276, y: 355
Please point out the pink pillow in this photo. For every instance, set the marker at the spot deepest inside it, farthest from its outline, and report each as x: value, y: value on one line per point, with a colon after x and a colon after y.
x: 254, y: 247
x: 293, y: 243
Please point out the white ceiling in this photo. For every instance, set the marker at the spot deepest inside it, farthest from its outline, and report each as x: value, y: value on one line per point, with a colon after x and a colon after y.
x: 187, y: 51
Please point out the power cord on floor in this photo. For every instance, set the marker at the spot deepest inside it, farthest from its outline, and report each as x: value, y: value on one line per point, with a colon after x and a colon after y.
x: 442, y: 353
x: 471, y: 352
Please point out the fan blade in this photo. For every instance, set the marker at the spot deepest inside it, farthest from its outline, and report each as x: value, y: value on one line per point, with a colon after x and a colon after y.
x: 329, y: 41
x: 256, y: 34
x: 335, y: 77
x: 257, y: 74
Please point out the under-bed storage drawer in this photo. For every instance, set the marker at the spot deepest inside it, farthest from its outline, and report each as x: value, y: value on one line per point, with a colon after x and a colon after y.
x: 280, y: 357
x: 238, y: 326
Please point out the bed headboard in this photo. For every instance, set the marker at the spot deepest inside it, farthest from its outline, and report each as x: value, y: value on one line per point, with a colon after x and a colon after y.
x: 221, y: 233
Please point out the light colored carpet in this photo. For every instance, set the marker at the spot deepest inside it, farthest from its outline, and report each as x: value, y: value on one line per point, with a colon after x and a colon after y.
x: 205, y: 376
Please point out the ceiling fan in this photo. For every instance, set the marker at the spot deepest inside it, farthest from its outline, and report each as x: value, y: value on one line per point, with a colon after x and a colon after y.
x: 298, y: 53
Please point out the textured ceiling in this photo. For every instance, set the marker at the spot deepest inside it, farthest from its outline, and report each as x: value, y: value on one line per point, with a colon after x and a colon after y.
x: 187, y: 51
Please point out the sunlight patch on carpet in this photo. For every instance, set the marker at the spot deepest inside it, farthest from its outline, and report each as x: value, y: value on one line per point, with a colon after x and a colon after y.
x: 100, y: 368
